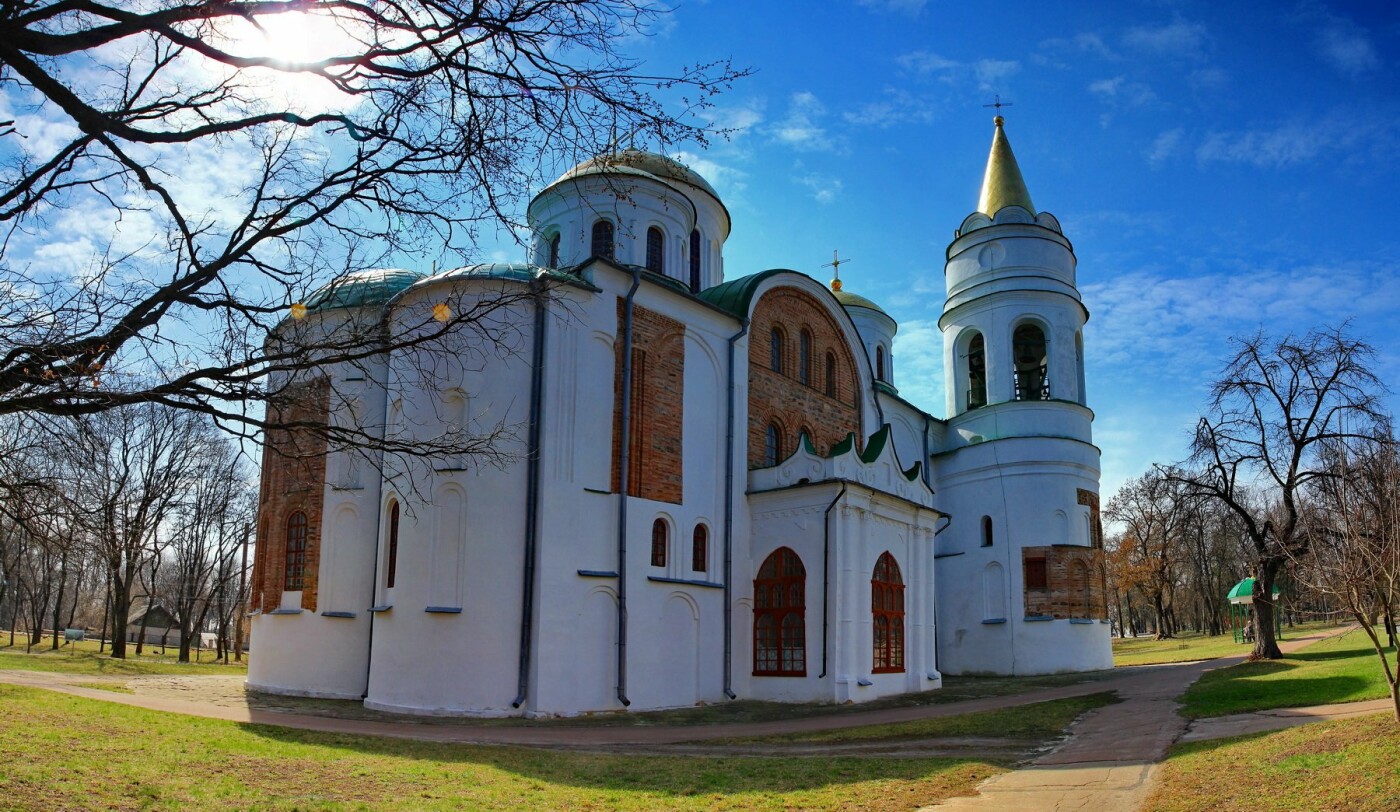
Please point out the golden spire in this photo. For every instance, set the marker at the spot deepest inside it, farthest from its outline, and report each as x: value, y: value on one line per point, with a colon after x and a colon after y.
x: 1002, y: 185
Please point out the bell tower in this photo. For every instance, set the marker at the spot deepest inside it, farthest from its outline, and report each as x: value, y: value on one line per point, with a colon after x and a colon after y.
x: 1018, y: 468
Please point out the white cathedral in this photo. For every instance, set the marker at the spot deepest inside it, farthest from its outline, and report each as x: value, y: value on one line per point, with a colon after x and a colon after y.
x: 716, y: 491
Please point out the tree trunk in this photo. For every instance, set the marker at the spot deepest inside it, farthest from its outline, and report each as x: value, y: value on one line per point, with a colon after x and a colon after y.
x: 58, y: 602
x: 1265, y: 644
x: 121, y: 608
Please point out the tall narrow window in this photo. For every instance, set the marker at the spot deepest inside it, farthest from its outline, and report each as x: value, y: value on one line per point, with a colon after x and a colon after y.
x: 887, y: 612
x: 1035, y: 573
x: 976, y: 372
x: 554, y: 251
x: 1081, y: 597
x: 1028, y: 350
x: 700, y: 549
x: 804, y: 357
x: 602, y: 245
x: 775, y: 350
x: 695, y: 261
x: 772, y: 446
x: 831, y: 374
x: 656, y: 250
x: 391, y: 565
x: 660, y: 539
x: 294, y: 577
x: 986, y: 531
x: 879, y: 362
x: 779, y: 616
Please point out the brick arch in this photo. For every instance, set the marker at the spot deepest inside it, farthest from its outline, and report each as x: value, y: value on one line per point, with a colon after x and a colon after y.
x: 781, y: 397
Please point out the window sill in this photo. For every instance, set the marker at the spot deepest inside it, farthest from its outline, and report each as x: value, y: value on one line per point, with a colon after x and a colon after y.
x: 285, y: 612
x: 993, y: 621
x: 338, y: 614
x: 887, y: 670
x: 443, y: 610
x: 1081, y: 621
x: 797, y: 674
x: 864, y: 683
x: 706, y: 584
x: 381, y: 608
x: 596, y: 574
x: 1038, y: 618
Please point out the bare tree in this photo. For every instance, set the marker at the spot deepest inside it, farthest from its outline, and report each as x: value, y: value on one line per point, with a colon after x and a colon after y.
x: 1277, y: 406
x: 1153, y: 509
x: 235, y: 173
x: 1353, y: 528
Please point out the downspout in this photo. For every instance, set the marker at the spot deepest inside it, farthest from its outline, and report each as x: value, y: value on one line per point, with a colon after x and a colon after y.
x: 625, y: 454
x: 826, y: 572
x: 374, y: 568
x: 729, y: 522
x: 532, y: 491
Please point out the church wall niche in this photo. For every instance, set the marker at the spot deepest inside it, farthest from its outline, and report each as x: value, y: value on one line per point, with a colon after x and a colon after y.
x: 779, y: 397
x: 1059, y: 581
x: 657, y: 406
x: 293, y: 479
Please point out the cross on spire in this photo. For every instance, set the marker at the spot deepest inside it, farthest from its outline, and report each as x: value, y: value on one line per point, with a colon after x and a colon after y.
x: 998, y: 103
x: 835, y: 266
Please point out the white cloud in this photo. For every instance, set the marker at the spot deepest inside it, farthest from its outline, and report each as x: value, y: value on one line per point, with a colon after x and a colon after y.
x: 1348, y: 49
x: 1164, y: 146
x: 824, y: 188
x: 1085, y: 42
x: 1286, y: 145
x: 727, y: 180
x: 902, y: 6
x: 1177, y: 39
x: 738, y: 121
x: 801, y: 128
x: 895, y: 106
x: 985, y: 75
x: 1119, y: 90
x: 918, y: 354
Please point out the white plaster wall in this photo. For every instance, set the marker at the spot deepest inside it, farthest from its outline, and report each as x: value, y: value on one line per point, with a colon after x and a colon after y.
x: 876, y: 330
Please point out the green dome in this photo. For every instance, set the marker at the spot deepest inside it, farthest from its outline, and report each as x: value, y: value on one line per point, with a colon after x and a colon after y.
x: 369, y: 288
x: 856, y: 300
x: 517, y: 271
x: 643, y: 164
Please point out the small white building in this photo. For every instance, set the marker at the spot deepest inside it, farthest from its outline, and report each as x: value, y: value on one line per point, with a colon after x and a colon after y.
x: 712, y: 488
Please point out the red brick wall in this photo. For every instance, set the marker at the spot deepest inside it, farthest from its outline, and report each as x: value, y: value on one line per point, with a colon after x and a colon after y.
x: 293, y: 479
x: 781, y: 398
x: 657, y: 406
x: 1070, y: 571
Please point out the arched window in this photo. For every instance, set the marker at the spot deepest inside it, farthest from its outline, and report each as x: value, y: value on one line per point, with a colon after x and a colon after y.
x: 602, y: 245
x: 656, y: 250
x: 879, y: 362
x: 887, y: 611
x: 779, y: 616
x: 804, y: 357
x: 830, y: 374
x: 976, y: 372
x: 392, y: 562
x: 695, y: 261
x: 700, y: 549
x: 660, y: 538
x: 986, y: 531
x: 294, y: 577
x: 1028, y: 351
x: 1079, y: 363
x: 776, y: 347
x: 772, y: 445
x: 554, y: 251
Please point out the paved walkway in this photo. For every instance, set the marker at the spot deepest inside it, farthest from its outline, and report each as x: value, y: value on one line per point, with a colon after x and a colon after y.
x: 1111, y: 758
x: 1107, y: 763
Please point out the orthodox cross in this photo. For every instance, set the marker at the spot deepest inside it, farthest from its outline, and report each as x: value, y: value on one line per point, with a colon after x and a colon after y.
x: 835, y: 266
x: 998, y: 103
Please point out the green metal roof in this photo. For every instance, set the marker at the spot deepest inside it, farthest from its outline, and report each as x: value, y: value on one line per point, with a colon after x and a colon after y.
x: 640, y: 162
x: 369, y: 288
x: 735, y: 296
x: 1243, y: 592
x: 873, y: 447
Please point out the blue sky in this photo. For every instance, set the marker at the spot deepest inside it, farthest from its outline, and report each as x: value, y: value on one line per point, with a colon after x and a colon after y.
x: 1220, y: 168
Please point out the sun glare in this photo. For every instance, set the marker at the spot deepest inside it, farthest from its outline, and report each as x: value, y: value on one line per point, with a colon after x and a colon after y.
x: 293, y: 38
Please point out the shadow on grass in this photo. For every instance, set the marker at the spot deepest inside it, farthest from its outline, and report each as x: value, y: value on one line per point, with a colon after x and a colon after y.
x: 667, y: 775
x: 1221, y: 697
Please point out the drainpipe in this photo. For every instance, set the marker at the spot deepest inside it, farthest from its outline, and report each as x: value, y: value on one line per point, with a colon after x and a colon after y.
x: 729, y: 522
x: 625, y: 453
x: 826, y: 571
x: 532, y: 491
x: 928, y: 477
x: 373, y: 588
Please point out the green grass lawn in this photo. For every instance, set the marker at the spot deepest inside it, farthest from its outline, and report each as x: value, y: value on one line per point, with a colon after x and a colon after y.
x: 1348, y: 764
x: 1194, y: 646
x: 83, y: 658
x: 1041, y: 720
x: 64, y: 752
x: 1341, y: 669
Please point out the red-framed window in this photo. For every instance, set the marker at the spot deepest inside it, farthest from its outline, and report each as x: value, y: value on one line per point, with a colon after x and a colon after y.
x: 887, y: 609
x: 700, y: 549
x: 294, y: 575
x: 660, y: 539
x: 779, y: 616
x: 392, y: 562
